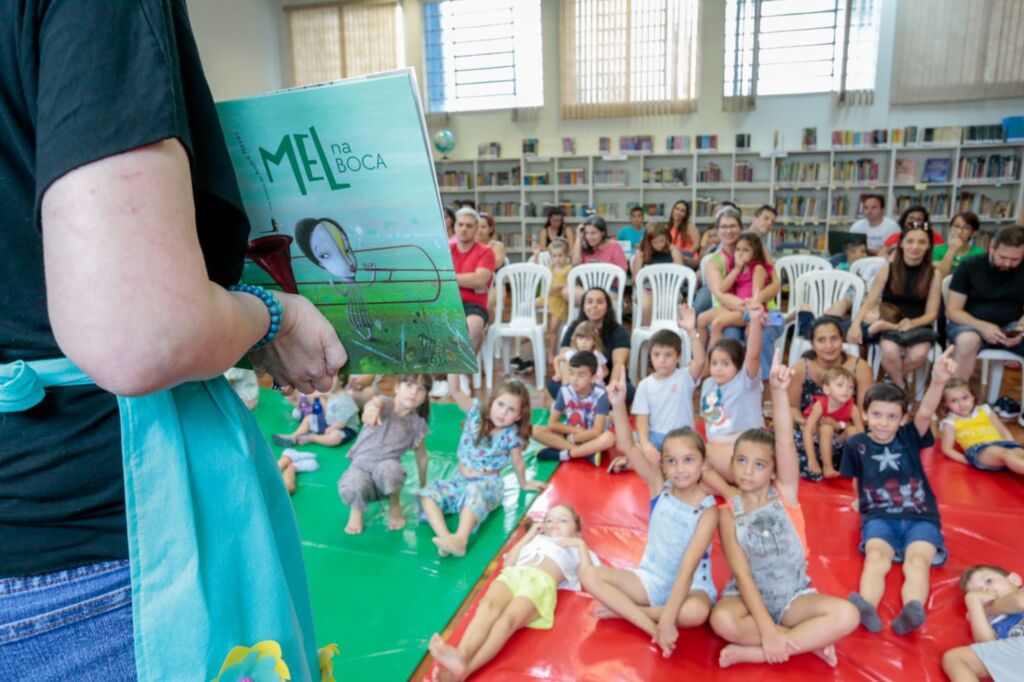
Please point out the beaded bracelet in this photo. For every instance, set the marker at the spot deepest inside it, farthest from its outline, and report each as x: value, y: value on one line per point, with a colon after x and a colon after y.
x: 272, y: 306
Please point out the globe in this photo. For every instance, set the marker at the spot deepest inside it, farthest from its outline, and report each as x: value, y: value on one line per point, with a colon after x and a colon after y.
x: 444, y: 141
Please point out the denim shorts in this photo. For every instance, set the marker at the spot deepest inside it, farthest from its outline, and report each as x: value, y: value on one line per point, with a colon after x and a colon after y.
x: 69, y: 625
x: 971, y: 455
x: 900, y: 533
x: 955, y: 330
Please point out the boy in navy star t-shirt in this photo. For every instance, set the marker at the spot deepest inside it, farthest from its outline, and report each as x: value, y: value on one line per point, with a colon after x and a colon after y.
x: 899, y: 514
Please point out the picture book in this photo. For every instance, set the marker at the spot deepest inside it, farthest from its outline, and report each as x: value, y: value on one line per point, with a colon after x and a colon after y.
x: 936, y: 170
x: 906, y: 170
x: 342, y: 199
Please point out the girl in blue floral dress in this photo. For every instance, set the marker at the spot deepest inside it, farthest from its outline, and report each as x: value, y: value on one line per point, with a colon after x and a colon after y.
x: 491, y: 437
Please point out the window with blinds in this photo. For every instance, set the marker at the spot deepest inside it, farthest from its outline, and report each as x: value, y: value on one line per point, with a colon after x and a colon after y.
x: 338, y: 40
x: 482, y: 54
x: 783, y: 47
x: 628, y: 57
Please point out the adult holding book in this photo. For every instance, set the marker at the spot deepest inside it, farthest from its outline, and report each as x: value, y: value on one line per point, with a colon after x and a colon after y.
x: 875, y: 224
x: 911, y: 288
x: 124, y: 233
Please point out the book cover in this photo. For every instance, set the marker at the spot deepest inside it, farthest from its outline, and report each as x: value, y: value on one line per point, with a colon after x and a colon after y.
x: 936, y: 170
x: 906, y: 171
x: 341, y: 195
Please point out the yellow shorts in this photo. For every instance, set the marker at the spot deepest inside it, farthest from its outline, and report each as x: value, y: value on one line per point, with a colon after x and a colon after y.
x: 537, y: 586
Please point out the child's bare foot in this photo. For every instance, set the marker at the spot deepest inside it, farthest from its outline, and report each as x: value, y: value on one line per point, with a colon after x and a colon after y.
x: 827, y: 654
x: 443, y: 549
x: 602, y: 612
x: 396, y: 519
x: 448, y: 657
x: 301, y: 440
x: 829, y: 472
x: 458, y: 545
x: 355, y: 522
x: 288, y: 474
x: 450, y: 544
x: 736, y: 653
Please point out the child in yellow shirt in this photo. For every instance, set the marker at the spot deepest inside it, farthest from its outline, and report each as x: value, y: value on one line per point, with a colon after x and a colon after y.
x: 986, y: 442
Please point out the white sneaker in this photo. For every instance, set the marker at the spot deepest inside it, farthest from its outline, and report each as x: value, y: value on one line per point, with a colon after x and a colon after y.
x: 439, y: 389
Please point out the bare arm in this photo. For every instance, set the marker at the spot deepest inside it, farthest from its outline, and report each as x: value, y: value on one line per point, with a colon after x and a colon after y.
x: 810, y: 430
x: 718, y: 290
x: 767, y: 292
x: 956, y: 313
x: 583, y: 435
x: 650, y: 473
x: 795, y: 390
x: 871, y: 299
x: 421, y: 462
x: 862, y: 373
x: 643, y: 428
x: 677, y: 255
x: 787, y: 462
x: 699, y: 544
x: 698, y: 354
x: 130, y: 301
x: 981, y: 629
x: 577, y: 249
x: 513, y: 554
x: 752, y: 360
x: 1003, y: 431
x: 620, y: 359
x: 556, y: 424
x: 949, y: 444
x: 464, y: 402
x: 943, y: 370
x: 478, y: 279
x: 857, y: 418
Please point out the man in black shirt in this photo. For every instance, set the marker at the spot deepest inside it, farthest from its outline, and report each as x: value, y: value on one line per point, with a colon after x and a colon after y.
x: 986, y: 300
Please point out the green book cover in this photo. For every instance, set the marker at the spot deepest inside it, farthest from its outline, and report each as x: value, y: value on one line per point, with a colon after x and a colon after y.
x: 339, y: 187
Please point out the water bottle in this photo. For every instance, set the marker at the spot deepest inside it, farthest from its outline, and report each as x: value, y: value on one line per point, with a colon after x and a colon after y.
x: 305, y: 409
x: 319, y: 423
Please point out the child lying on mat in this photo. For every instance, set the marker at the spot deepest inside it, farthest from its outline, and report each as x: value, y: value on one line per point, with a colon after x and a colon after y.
x: 672, y: 587
x: 769, y: 610
x: 995, y: 609
x: 986, y: 442
x: 390, y: 429
x: 491, y: 438
x: 546, y: 559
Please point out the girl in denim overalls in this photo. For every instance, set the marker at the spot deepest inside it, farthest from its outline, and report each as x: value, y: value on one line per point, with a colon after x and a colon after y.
x: 769, y: 610
x: 672, y: 587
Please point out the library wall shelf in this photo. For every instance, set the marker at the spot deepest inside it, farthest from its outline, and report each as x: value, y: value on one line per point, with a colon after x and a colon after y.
x: 804, y: 185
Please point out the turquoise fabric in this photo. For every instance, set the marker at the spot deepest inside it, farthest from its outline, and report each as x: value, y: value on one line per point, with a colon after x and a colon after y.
x: 213, y: 543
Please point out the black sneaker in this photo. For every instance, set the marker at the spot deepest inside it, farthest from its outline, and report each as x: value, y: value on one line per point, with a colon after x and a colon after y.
x: 549, y: 455
x: 522, y: 366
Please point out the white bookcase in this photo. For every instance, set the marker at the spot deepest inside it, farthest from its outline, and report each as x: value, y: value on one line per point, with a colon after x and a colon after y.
x: 815, y: 191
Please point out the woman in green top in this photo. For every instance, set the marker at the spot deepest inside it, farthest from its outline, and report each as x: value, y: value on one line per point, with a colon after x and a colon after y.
x: 962, y: 229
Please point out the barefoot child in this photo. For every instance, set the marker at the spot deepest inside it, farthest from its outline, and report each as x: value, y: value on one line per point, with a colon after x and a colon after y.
x: 986, y: 442
x: 899, y: 514
x: 341, y: 419
x: 995, y: 609
x: 584, y: 404
x: 833, y: 413
x: 750, y: 273
x: 730, y: 398
x: 546, y: 559
x: 558, y: 307
x: 390, y: 429
x: 672, y: 587
x: 492, y: 437
x: 769, y: 610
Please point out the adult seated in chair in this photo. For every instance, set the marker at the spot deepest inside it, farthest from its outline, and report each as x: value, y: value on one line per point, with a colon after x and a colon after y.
x: 474, y: 270
x: 910, y: 285
x: 986, y: 300
x: 962, y: 229
x: 727, y: 220
x: 598, y: 310
x: 875, y: 224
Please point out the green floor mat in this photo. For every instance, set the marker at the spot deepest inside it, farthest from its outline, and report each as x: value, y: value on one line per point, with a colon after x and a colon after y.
x: 380, y: 595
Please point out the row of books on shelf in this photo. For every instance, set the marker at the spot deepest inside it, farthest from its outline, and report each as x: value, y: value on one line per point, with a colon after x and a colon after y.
x: 609, y: 177
x: 797, y: 206
x: 802, y: 171
x: 532, y: 179
x: 986, y: 206
x: 454, y: 179
x: 909, y: 136
x: 572, y: 176
x: 500, y: 209
x: 811, y: 239
x: 665, y: 176
x: 502, y: 178
x: 855, y: 170
x: 743, y: 171
x: 989, y: 166
x: 710, y: 173
x: 937, y: 204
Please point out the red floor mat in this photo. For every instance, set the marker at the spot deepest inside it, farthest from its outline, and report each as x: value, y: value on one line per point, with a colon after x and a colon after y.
x: 981, y: 516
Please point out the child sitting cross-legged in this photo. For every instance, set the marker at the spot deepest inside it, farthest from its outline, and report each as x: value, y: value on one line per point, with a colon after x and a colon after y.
x: 390, y: 428
x: 831, y: 414
x: 986, y: 442
x: 899, y: 513
x: 584, y: 403
x: 995, y: 609
x: 672, y: 586
x: 769, y: 610
x: 340, y: 419
x: 548, y: 558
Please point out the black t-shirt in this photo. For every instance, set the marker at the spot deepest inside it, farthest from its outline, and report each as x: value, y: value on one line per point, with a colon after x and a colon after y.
x: 81, y: 81
x: 909, y: 303
x: 993, y: 295
x: 612, y: 338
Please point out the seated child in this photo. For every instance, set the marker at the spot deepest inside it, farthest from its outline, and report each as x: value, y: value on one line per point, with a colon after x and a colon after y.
x: 672, y: 586
x: 829, y: 414
x: 769, y: 610
x: 899, y: 515
x: 853, y: 251
x: 492, y: 437
x: 390, y: 428
x: 584, y: 337
x: 750, y: 273
x: 730, y: 398
x: 546, y: 559
x: 340, y: 419
x: 985, y: 441
x: 558, y: 307
x: 995, y: 609
x: 664, y: 399
x: 585, y: 406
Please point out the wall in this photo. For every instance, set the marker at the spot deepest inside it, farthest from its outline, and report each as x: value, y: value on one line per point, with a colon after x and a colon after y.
x: 245, y: 51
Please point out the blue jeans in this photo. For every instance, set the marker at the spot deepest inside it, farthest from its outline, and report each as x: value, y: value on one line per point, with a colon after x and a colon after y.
x: 68, y: 625
x: 768, y: 337
x: 702, y: 300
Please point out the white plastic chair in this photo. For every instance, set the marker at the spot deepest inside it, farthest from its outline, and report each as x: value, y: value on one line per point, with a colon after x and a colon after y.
x: 666, y: 282
x: 590, y: 276
x: 526, y: 281
x: 992, y: 361
x: 867, y: 268
x: 819, y: 290
x: 790, y: 268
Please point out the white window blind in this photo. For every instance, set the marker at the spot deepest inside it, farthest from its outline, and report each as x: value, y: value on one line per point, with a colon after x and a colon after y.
x: 628, y: 57
x: 335, y: 41
x: 781, y: 47
x: 951, y: 50
x: 482, y: 54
